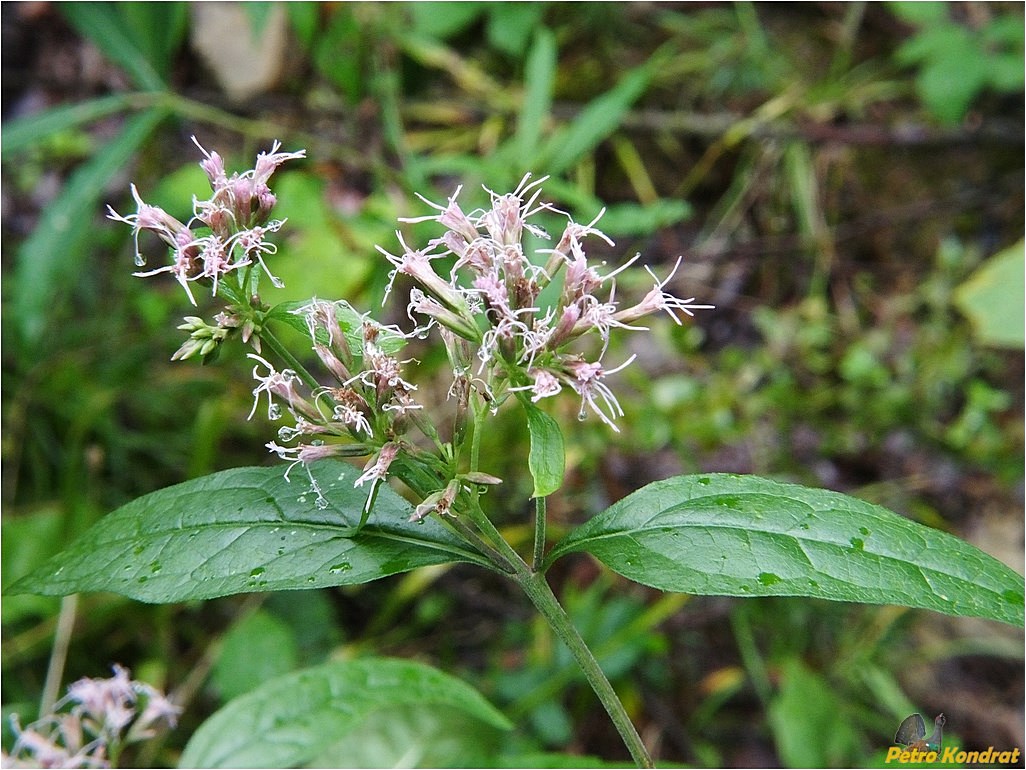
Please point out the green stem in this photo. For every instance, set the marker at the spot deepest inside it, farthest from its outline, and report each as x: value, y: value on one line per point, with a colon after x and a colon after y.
x: 533, y: 583
x: 291, y: 362
x: 539, y: 533
x: 479, y: 408
x: 537, y: 589
x: 540, y: 593
x: 497, y: 559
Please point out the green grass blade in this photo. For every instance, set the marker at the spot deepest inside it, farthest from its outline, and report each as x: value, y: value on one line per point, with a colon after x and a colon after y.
x: 595, y: 123
x: 53, y: 254
x: 23, y: 133
x: 103, y: 24
x: 539, y: 75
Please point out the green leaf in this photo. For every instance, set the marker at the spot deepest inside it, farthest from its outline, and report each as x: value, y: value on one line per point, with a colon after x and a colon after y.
x: 442, y: 20
x: 343, y: 33
x: 22, y: 133
x: 360, y: 713
x: 327, y: 255
x: 954, y: 68
x: 141, y: 38
x: 539, y: 75
x: 510, y: 25
x: 948, y: 86
x: 247, y: 529
x: 52, y: 255
x: 305, y: 19
x: 257, y: 648
x: 748, y: 536
x: 637, y: 219
x: 540, y: 760
x: 595, y: 123
x: 994, y: 299
x: 920, y: 13
x: 159, y: 30
x: 27, y: 541
x: 809, y: 723
x: 548, y: 456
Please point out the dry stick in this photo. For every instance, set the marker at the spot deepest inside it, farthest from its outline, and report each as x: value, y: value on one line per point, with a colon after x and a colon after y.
x: 59, y: 653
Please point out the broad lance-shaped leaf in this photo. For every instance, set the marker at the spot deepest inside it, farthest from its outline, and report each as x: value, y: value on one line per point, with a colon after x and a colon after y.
x: 547, y: 457
x: 375, y: 712
x: 247, y: 529
x: 748, y: 536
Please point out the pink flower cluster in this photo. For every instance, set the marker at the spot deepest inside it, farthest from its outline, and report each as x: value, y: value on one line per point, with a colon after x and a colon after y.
x: 102, y: 715
x: 226, y: 232
x: 487, y: 305
x: 521, y: 344
x: 370, y: 403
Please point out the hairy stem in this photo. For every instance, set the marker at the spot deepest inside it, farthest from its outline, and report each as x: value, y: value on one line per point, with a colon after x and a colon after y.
x: 539, y: 533
x: 533, y: 583
x: 291, y: 362
x: 540, y: 593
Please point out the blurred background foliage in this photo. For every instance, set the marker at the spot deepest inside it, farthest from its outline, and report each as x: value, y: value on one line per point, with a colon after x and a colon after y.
x: 845, y: 182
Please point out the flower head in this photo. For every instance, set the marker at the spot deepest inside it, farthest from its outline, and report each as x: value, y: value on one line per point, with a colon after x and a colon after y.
x: 235, y: 218
x: 586, y: 378
x: 657, y: 299
x: 377, y: 468
x: 475, y: 283
x: 502, y: 294
x: 90, y: 723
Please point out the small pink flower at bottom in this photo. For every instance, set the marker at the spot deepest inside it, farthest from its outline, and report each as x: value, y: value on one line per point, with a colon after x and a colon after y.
x: 657, y: 299
x: 377, y: 468
x: 545, y: 384
x: 586, y: 380
x: 275, y: 383
x: 305, y: 454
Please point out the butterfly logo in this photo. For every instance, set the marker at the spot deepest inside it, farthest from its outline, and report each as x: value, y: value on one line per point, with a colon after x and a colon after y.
x: 912, y: 733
